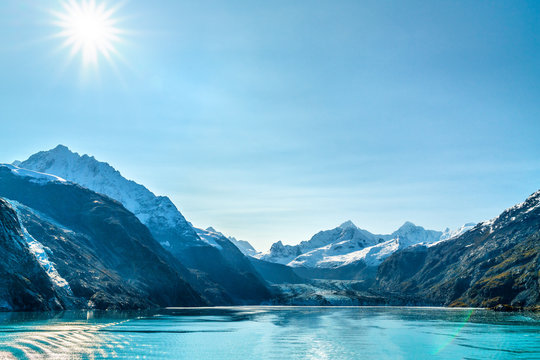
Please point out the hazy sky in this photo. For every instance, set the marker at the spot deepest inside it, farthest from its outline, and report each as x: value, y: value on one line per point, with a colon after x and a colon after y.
x: 274, y: 120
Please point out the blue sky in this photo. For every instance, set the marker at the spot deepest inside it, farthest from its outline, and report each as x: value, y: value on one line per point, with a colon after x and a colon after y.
x: 274, y: 120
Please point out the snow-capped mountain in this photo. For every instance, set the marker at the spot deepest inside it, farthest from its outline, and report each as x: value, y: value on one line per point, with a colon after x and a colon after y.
x: 347, y: 244
x: 69, y: 247
x: 342, y: 239
x: 158, y: 213
x: 200, y: 250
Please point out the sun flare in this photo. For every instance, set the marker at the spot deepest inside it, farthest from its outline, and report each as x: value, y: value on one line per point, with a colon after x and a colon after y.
x: 89, y: 29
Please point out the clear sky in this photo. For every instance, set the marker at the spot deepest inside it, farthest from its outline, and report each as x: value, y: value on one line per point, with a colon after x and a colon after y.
x: 274, y: 120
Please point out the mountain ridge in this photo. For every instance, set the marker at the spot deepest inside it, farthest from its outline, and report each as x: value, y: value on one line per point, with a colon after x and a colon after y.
x: 101, y: 250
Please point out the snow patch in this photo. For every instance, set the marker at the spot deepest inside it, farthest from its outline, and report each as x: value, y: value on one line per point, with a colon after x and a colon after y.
x: 36, y: 176
x: 210, y: 237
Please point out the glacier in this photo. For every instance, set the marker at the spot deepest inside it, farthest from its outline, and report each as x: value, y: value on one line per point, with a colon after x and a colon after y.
x: 40, y: 253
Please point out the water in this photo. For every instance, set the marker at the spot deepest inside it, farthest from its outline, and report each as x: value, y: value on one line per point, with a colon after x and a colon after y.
x: 272, y: 333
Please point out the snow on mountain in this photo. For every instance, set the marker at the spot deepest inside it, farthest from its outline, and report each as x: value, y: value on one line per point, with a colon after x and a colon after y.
x: 40, y: 253
x: 280, y: 254
x: 343, y: 239
x: 410, y: 234
x: 450, y: 234
x: 347, y: 244
x: 214, y: 237
x: 531, y: 204
x: 244, y: 246
x: 161, y: 216
x: 345, y: 233
x: 210, y: 235
x: 36, y: 176
x: 372, y: 255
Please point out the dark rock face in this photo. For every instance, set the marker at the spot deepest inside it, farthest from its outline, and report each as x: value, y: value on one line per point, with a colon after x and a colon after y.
x: 109, y: 258
x: 235, y: 275
x: 227, y: 266
x: 276, y: 273
x: 496, y: 263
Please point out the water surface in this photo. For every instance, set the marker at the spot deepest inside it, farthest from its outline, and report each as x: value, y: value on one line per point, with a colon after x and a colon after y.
x: 272, y: 333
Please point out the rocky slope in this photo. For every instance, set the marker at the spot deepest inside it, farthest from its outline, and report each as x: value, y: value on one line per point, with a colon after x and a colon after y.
x: 222, y: 265
x: 497, y: 262
x: 277, y: 273
x: 230, y: 268
x: 90, y: 251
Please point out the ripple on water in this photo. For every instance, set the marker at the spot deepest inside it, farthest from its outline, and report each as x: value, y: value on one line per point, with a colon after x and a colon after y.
x: 272, y: 333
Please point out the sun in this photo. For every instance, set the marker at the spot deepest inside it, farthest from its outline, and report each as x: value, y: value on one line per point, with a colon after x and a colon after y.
x: 89, y: 29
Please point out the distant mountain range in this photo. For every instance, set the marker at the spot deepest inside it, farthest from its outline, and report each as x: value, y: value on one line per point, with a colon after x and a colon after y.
x: 347, y: 244
x: 74, y: 233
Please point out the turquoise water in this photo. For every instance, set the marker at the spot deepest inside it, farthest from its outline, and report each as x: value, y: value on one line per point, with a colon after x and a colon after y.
x: 272, y: 333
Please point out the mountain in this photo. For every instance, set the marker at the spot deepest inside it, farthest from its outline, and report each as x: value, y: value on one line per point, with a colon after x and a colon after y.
x: 167, y: 225
x: 343, y: 252
x: 68, y: 247
x: 495, y: 263
x: 158, y: 213
x: 244, y: 246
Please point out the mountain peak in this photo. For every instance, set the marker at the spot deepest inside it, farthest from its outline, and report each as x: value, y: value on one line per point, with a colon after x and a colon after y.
x: 61, y: 148
x: 59, y: 153
x: 407, y: 224
x: 347, y: 224
x: 407, y: 227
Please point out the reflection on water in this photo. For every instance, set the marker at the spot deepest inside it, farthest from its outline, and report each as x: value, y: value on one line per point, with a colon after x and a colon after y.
x: 271, y: 333
x: 71, y: 335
